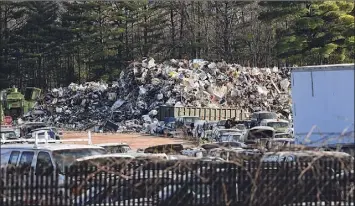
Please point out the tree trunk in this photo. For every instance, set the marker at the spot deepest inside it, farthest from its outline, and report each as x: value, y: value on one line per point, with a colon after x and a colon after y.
x: 172, y: 32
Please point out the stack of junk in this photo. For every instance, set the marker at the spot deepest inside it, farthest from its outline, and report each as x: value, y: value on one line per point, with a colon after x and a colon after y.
x: 144, y: 86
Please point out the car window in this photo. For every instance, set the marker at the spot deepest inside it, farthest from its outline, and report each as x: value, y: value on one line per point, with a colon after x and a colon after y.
x: 66, y: 157
x: 8, y: 135
x: 277, y: 124
x: 270, y: 158
x: 13, y: 158
x: 26, y: 161
x: 44, y: 164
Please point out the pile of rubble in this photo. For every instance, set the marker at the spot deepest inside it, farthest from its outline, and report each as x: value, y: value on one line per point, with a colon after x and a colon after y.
x: 144, y: 86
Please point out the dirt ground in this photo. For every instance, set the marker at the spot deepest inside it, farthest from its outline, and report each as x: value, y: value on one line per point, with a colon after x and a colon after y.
x: 134, y: 140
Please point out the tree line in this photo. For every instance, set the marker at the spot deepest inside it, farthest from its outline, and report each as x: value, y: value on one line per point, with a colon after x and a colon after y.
x: 50, y: 44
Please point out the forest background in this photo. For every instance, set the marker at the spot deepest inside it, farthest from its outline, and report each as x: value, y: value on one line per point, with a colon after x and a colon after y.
x: 51, y: 44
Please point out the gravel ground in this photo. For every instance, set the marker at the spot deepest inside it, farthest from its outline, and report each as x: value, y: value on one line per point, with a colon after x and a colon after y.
x: 135, y: 140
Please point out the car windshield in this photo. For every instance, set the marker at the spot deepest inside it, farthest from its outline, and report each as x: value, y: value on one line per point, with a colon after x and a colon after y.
x: 259, y: 133
x: 66, y: 157
x: 8, y: 135
x: 277, y: 124
x: 283, y: 136
x: 231, y: 137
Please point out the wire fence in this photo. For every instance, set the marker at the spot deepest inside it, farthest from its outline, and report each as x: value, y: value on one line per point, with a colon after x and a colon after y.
x: 181, y: 183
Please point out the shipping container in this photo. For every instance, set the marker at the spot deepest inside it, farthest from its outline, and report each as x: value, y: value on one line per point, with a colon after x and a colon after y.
x: 323, y: 104
x: 210, y: 114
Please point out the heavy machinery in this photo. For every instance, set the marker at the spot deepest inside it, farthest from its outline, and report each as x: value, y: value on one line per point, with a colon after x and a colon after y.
x: 15, y: 104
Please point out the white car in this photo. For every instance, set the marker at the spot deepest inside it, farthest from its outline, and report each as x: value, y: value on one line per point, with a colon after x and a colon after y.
x: 7, y: 134
x: 51, y: 131
x: 232, y: 137
x: 217, y: 133
x: 42, y: 160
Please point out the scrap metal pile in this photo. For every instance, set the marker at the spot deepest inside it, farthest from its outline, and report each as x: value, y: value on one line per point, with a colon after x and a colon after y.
x: 144, y: 86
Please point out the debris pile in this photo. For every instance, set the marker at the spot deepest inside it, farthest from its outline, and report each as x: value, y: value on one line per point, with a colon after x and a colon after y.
x: 144, y: 86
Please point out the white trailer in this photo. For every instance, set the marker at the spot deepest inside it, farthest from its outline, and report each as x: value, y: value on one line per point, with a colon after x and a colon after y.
x: 323, y: 104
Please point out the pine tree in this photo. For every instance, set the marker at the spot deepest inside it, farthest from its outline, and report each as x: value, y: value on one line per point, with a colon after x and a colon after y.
x: 320, y: 32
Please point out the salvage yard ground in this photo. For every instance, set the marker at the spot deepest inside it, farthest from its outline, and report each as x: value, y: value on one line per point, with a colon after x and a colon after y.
x: 135, y: 140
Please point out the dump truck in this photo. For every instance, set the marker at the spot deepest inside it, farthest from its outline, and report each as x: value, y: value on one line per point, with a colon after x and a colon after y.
x: 323, y: 104
x: 15, y: 104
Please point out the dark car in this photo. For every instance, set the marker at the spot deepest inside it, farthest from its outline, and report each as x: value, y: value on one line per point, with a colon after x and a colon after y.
x: 115, y: 147
x: 166, y: 148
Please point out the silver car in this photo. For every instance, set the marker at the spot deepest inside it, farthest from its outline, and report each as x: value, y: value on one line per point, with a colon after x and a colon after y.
x: 41, y: 160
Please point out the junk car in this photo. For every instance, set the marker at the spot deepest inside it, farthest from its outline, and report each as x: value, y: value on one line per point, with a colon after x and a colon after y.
x: 165, y: 148
x: 258, y: 136
x: 317, y: 172
x: 279, y: 125
x: 115, y: 147
x: 29, y: 126
x: 7, y: 134
x: 257, y: 117
x: 218, y: 133
x: 53, y: 133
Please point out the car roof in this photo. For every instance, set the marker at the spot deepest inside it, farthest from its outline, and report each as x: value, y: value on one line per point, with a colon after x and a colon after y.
x: 139, y: 154
x: 104, y: 155
x: 40, y: 130
x: 49, y: 147
x: 262, y: 127
x: 233, y: 133
x: 112, y: 144
x: 274, y: 120
x: 7, y: 130
x: 43, y: 128
x: 227, y: 149
x: 311, y: 153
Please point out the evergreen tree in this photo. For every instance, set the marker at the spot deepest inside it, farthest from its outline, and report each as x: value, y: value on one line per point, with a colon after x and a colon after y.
x: 320, y: 32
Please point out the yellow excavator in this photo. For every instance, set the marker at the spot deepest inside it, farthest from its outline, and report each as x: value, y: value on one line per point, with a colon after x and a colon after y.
x: 15, y: 104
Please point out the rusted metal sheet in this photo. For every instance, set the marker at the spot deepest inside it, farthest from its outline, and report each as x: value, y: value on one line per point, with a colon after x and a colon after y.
x: 211, y: 114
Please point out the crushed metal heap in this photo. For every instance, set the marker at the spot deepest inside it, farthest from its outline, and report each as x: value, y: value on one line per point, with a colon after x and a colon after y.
x: 144, y: 86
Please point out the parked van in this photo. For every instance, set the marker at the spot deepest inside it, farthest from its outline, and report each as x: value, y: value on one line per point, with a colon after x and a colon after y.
x: 41, y: 160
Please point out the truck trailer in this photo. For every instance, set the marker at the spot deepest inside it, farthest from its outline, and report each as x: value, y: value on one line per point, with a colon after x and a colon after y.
x: 323, y: 104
